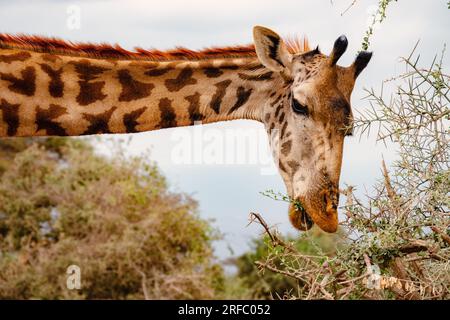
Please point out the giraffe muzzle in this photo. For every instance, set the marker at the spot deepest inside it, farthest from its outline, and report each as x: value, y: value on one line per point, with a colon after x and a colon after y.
x: 299, y: 218
x: 319, y: 208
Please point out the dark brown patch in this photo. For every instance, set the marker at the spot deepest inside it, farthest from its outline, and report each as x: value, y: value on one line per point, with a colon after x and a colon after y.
x: 277, y: 111
x: 286, y: 147
x: 255, y: 67
x: 56, y: 85
x: 229, y: 67
x: 212, y: 72
x: 45, y: 117
x: 273, y: 49
x: 10, y: 116
x: 257, y: 77
x: 294, y: 165
x: 194, y: 108
x: 90, y: 91
x: 168, y: 116
x: 242, y: 97
x: 216, y: 100
x: 19, y: 56
x: 87, y: 71
x: 157, y: 72
x: 281, y: 166
x: 273, y: 103
x: 99, y: 122
x: 272, y: 126
x: 283, y: 129
x: 26, y: 85
x: 183, y: 79
x: 131, y: 88
x: 267, y: 117
x: 281, y: 117
x: 130, y: 119
x: 342, y: 110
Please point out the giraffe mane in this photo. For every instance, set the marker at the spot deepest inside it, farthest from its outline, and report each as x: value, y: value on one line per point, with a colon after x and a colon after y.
x: 53, y: 45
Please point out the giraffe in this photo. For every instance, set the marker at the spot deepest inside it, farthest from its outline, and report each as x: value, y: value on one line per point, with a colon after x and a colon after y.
x: 49, y: 87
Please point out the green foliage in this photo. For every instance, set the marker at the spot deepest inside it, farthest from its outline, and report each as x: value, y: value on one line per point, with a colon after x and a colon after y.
x: 61, y: 204
x: 378, y: 17
x: 278, y: 196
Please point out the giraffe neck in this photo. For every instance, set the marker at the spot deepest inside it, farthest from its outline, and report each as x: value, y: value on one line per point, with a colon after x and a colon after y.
x: 49, y: 94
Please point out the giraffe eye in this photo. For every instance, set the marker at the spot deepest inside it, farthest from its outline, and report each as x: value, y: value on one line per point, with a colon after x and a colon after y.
x: 299, y: 108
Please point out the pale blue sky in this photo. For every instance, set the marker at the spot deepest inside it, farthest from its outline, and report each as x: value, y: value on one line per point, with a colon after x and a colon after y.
x: 229, y: 193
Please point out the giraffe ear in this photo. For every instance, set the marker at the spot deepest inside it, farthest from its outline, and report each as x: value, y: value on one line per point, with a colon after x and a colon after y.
x: 271, y: 50
x: 361, y: 61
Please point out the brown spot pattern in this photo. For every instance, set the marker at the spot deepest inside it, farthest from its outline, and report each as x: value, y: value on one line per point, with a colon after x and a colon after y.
x: 45, y: 120
x: 10, y: 116
x: 25, y: 85
x: 19, y: 56
x: 90, y: 91
x: 99, y: 122
x: 131, y: 88
x: 286, y: 147
x: 212, y: 72
x: 168, y: 116
x: 56, y: 85
x: 294, y: 165
x: 283, y: 130
x: 242, y: 97
x: 281, y: 166
x: 273, y: 103
x: 130, y: 119
x: 216, y: 100
x: 183, y: 79
x: 157, y: 72
x: 277, y: 111
x: 258, y: 77
x: 50, y: 57
x: 194, y: 108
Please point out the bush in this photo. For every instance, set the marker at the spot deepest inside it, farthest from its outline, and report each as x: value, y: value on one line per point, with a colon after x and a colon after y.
x: 61, y: 205
x: 268, y: 284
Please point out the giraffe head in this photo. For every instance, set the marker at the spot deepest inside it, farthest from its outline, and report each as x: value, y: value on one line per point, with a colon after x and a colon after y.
x: 310, y: 115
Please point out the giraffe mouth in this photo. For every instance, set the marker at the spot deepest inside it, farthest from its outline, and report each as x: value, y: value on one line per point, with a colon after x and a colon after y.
x: 320, y: 210
x: 300, y: 219
x: 306, y: 220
